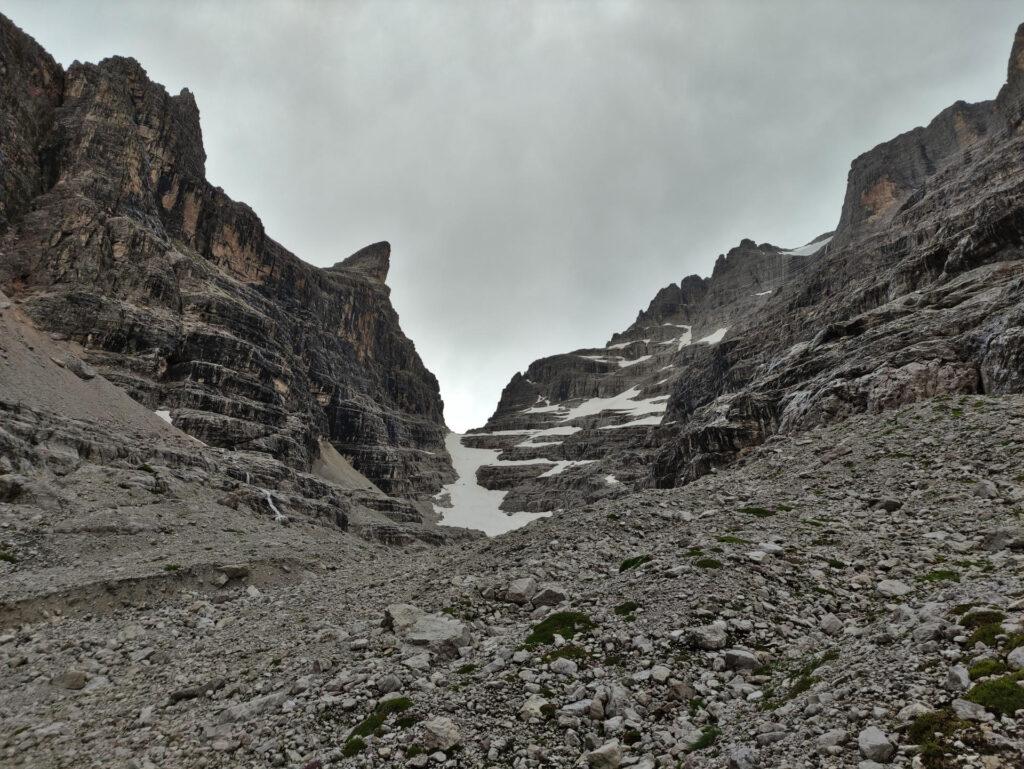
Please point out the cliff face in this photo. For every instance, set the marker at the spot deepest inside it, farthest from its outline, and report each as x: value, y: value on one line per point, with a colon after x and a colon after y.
x: 581, y: 426
x: 112, y: 237
x: 918, y: 293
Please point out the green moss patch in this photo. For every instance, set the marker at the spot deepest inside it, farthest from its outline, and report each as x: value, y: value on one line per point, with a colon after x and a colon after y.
x: 376, y: 719
x: 708, y: 563
x: 626, y: 609
x: 632, y: 563
x: 1000, y: 695
x: 731, y: 540
x: 567, y: 652
x: 353, y: 747
x: 984, y: 668
x: 757, y: 512
x: 975, y: 619
x: 708, y: 737
x: 564, y: 623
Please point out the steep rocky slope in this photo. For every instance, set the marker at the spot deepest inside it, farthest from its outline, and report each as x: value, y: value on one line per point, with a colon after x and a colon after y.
x: 102, y: 500
x: 111, y: 237
x: 849, y: 595
x: 918, y: 293
x: 579, y: 425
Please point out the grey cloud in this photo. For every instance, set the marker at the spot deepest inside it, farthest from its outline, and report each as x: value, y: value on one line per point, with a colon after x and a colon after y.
x: 541, y: 168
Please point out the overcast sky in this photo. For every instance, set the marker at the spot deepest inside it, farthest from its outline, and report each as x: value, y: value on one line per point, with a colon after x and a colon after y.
x: 541, y: 168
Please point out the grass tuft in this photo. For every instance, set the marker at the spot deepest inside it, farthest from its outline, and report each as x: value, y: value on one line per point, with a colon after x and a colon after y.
x: 632, y: 563
x: 757, y: 512
x: 1001, y: 695
x: 564, y: 623
x: 984, y: 668
x: 708, y: 736
x: 626, y: 609
x: 708, y: 563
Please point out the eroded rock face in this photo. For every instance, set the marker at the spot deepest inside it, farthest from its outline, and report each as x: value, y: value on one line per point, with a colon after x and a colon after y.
x: 111, y: 235
x: 583, y: 426
x: 919, y: 293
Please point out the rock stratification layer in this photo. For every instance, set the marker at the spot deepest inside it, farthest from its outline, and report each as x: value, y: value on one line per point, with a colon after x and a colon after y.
x: 918, y: 293
x: 580, y: 425
x: 112, y: 237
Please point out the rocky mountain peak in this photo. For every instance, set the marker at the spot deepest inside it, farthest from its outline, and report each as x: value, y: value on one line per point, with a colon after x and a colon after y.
x: 1010, y: 101
x: 113, y: 238
x: 373, y: 260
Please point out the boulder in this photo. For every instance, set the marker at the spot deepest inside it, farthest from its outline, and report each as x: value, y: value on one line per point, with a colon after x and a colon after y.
x: 710, y: 637
x: 401, y: 616
x: 440, y: 634
x: 521, y: 590
x: 440, y: 733
x: 875, y: 745
x: 549, y: 594
x: 608, y: 756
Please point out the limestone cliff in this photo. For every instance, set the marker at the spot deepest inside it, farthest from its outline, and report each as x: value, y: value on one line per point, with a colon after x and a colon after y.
x: 111, y: 236
x: 918, y: 293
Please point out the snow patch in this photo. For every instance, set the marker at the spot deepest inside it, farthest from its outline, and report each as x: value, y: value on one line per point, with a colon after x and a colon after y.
x: 611, y: 480
x: 643, y: 421
x: 714, y: 338
x: 620, y: 345
x: 473, y: 506
x: 641, y: 359
x: 626, y: 402
x: 564, y: 464
x: 164, y: 415
x: 810, y: 248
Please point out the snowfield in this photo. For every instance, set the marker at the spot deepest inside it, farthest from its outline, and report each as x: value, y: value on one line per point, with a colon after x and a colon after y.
x: 473, y: 506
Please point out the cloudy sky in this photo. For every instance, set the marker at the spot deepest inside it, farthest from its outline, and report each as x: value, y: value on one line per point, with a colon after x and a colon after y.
x: 541, y: 168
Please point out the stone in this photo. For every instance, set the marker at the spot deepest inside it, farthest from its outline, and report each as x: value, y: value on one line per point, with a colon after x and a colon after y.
x: 893, y: 588
x: 970, y: 711
x: 533, y: 707
x: 521, y: 590
x: 549, y: 594
x: 741, y: 659
x: 443, y: 635
x: 399, y: 617
x: 235, y: 570
x: 958, y: 679
x: 1015, y: 659
x: 985, y: 489
x: 71, y: 679
x: 831, y: 738
x: 389, y: 683
x: 243, y: 711
x: 563, y: 666
x: 875, y: 745
x: 742, y: 757
x: 710, y: 637
x: 79, y: 368
x: 608, y: 756
x: 831, y: 625
x: 440, y: 733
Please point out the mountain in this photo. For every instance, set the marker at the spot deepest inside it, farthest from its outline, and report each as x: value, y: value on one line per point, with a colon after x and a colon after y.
x: 112, y: 238
x: 792, y: 491
x: 918, y: 293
